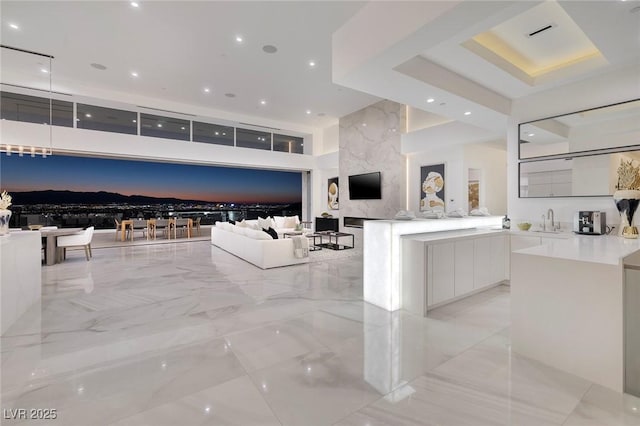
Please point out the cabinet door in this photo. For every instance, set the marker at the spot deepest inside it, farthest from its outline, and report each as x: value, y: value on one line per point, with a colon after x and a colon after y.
x: 464, y: 267
x: 482, y: 262
x: 498, y: 258
x: 442, y: 271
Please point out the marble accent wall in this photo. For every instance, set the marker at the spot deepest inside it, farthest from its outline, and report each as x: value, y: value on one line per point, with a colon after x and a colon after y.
x: 369, y: 141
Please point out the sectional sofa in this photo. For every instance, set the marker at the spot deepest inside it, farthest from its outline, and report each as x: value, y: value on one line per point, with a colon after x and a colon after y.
x: 255, y: 246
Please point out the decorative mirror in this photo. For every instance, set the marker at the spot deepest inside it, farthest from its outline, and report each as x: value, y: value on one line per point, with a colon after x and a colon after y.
x: 578, y: 176
x: 609, y: 127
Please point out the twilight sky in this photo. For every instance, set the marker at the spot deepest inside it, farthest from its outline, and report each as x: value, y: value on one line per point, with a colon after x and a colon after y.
x: 206, y: 183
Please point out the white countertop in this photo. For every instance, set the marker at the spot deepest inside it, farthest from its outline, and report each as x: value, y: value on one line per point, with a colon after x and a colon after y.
x: 603, y: 249
x: 452, y: 235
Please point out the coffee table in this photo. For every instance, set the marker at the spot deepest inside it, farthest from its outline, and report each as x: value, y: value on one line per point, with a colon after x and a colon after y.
x: 333, y: 237
x: 313, y: 246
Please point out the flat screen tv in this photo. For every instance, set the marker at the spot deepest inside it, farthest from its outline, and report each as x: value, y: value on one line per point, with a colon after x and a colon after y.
x: 365, y: 186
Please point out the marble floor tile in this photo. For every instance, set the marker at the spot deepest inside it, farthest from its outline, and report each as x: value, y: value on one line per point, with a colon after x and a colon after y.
x: 265, y: 346
x: 131, y: 385
x: 153, y: 335
x: 236, y: 402
x: 491, y: 367
x: 314, y: 389
x: 602, y: 406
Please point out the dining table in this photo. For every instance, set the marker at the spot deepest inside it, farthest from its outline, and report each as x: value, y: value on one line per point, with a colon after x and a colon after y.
x: 51, y: 235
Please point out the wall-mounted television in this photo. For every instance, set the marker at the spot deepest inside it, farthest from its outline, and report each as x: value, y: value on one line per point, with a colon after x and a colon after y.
x: 365, y: 186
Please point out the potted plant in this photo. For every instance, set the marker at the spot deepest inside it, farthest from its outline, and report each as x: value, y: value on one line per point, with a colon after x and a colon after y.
x: 627, y: 197
x: 5, y: 213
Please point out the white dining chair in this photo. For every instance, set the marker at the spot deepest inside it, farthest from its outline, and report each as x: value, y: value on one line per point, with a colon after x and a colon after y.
x: 78, y: 240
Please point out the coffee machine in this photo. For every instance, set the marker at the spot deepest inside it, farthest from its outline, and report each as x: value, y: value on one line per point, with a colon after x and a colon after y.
x: 590, y: 222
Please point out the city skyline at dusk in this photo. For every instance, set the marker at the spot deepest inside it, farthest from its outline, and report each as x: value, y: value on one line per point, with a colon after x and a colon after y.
x: 152, y: 179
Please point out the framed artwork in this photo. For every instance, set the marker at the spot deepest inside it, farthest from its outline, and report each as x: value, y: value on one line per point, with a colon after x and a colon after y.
x: 332, y: 192
x: 432, y: 188
x: 474, y: 194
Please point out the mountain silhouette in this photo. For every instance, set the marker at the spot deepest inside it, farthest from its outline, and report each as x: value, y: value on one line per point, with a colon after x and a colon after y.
x: 102, y: 197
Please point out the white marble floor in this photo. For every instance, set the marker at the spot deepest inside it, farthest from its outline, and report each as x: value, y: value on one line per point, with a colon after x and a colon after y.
x: 186, y: 334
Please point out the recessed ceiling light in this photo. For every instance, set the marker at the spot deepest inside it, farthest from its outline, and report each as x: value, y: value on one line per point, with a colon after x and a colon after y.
x: 182, y: 128
x: 135, y: 121
x: 44, y: 70
x: 230, y: 95
x: 430, y: 100
x: 99, y: 66
x: 134, y: 4
x: 269, y: 48
x: 239, y: 39
x: 216, y: 133
x: 14, y: 26
x: 263, y: 102
x: 224, y: 134
x: 87, y: 115
x: 321, y: 114
x: 364, y: 124
x: 134, y: 74
x: 532, y: 134
x: 308, y: 111
x: 159, y: 124
x: 207, y: 90
x: 467, y: 113
x: 312, y: 63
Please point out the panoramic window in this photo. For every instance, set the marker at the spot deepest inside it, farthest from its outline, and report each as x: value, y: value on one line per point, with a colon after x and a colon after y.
x: 289, y: 144
x: 253, y: 139
x: 212, y: 133
x: 106, y: 119
x: 164, y: 127
x: 33, y: 109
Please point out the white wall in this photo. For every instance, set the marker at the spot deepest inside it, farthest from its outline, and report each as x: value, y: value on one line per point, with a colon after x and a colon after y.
x: 619, y: 86
x: 489, y: 161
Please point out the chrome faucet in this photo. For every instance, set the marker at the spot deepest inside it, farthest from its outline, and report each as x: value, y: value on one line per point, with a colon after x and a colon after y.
x: 544, y: 224
x: 551, y: 216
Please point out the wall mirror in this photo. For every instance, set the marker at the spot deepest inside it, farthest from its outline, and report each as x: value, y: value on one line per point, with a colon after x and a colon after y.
x: 613, y: 126
x: 585, y: 176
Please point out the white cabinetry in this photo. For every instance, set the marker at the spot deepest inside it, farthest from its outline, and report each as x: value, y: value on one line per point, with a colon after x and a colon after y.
x: 441, y: 271
x: 482, y: 263
x: 463, y: 267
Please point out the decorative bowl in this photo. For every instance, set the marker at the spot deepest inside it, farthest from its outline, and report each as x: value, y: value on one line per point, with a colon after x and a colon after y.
x: 524, y: 226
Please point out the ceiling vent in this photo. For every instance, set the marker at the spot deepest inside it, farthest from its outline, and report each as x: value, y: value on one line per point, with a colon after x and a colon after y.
x: 541, y: 30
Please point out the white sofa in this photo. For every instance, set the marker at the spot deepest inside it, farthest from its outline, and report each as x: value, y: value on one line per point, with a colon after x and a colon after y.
x: 254, y: 246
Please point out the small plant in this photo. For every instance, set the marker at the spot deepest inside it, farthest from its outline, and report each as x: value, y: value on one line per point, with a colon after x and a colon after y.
x: 5, y: 200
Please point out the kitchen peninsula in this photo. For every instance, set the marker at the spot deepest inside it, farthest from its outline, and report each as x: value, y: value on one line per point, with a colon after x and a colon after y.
x: 382, y: 278
x: 567, y: 301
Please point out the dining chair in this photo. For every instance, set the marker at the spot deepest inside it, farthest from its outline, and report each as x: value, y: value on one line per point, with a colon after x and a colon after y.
x: 196, y: 225
x: 182, y: 225
x: 161, y: 225
x: 119, y: 229
x: 139, y: 225
x: 78, y: 240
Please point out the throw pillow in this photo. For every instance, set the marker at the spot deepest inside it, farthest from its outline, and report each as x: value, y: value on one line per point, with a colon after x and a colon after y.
x: 279, y: 221
x: 241, y: 224
x: 290, y: 222
x: 265, y: 223
x: 271, y: 232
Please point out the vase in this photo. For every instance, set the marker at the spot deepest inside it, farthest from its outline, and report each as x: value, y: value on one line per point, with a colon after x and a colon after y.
x: 5, y: 215
x: 627, y: 203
